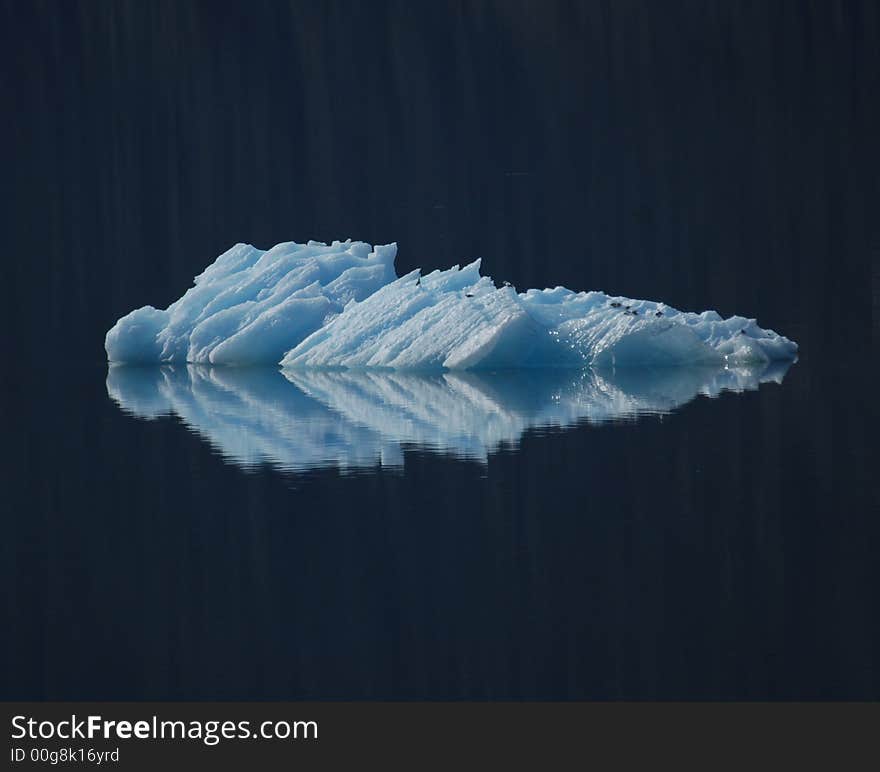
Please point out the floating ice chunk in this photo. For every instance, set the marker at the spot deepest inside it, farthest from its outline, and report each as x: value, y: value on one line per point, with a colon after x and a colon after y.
x: 135, y: 337
x: 313, y: 305
x: 251, y: 306
x: 457, y: 320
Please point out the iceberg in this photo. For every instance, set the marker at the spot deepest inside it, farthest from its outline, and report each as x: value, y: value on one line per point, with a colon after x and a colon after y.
x: 308, y: 419
x: 343, y: 306
x: 250, y: 306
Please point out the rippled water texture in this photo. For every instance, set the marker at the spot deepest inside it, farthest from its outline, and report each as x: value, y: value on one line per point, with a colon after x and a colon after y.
x: 237, y: 533
x: 348, y: 419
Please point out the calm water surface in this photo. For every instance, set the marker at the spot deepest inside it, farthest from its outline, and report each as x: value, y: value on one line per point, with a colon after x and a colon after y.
x: 235, y: 534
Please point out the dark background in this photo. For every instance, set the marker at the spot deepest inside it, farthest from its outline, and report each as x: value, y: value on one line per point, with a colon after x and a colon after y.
x: 708, y: 154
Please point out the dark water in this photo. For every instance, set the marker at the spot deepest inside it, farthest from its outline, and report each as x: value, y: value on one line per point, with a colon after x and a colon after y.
x: 711, y: 155
x: 724, y: 550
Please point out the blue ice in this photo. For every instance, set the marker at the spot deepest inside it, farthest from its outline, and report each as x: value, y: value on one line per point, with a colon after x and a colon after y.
x: 343, y: 306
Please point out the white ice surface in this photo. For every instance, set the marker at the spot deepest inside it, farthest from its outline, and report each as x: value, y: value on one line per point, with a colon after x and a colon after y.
x: 342, y: 306
x: 251, y: 306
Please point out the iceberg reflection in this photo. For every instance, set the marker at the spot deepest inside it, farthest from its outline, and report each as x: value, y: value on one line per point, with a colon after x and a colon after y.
x: 299, y: 420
